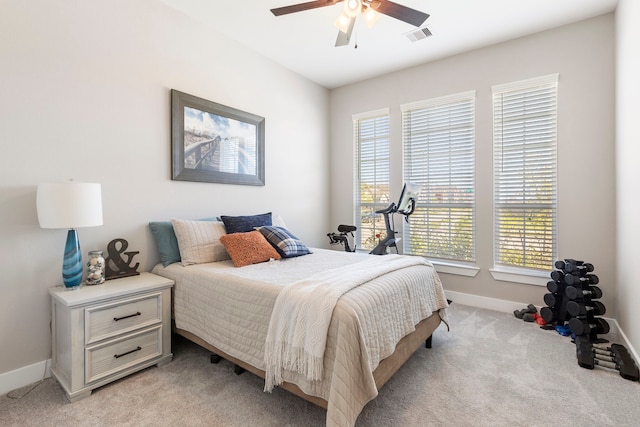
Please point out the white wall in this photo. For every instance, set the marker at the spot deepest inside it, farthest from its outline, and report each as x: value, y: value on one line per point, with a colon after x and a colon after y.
x: 583, y: 55
x: 85, y: 94
x: 628, y: 172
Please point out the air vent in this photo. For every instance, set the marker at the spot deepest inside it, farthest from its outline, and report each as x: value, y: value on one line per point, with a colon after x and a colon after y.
x: 419, y: 34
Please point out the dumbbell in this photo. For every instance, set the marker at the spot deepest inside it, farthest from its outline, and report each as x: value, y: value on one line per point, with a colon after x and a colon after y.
x: 520, y: 313
x: 578, y: 267
x: 581, y: 326
x: 622, y: 357
x: 594, y: 307
x: 551, y: 314
x: 592, y: 292
x: 553, y: 287
x: 551, y: 300
x: 615, y: 357
x: 588, y: 279
x: 557, y: 275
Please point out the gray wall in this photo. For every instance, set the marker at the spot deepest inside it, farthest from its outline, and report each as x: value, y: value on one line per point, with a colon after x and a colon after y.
x: 628, y: 172
x: 583, y: 55
x: 85, y: 95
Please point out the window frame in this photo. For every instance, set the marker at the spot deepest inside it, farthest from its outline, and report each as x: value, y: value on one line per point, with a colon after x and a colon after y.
x: 383, y: 113
x: 466, y: 176
x: 544, y: 138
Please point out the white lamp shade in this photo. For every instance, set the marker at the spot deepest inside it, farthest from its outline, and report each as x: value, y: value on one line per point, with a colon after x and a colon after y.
x: 342, y: 23
x: 352, y: 8
x: 371, y: 17
x: 69, y: 204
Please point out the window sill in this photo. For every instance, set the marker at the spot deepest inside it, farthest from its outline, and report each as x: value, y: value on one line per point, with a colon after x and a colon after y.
x: 453, y: 268
x: 516, y: 275
x: 448, y: 267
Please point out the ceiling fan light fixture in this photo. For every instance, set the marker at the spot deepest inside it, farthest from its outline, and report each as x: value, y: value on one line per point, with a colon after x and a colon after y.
x: 370, y: 17
x: 342, y: 23
x: 371, y: 10
x: 352, y: 8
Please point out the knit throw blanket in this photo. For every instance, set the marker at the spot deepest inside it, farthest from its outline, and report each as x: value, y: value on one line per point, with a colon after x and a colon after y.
x: 300, y: 320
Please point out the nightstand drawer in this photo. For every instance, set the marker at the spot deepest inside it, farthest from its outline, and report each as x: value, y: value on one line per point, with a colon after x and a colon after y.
x: 113, y: 356
x: 108, y: 320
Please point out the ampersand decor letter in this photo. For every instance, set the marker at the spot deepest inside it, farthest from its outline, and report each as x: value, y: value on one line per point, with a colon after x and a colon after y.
x: 115, y: 265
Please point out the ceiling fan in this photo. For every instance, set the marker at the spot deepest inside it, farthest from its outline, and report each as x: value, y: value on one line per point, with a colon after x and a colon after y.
x: 370, y: 10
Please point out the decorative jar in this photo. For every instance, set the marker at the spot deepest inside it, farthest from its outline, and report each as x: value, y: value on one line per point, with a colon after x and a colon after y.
x: 95, y: 268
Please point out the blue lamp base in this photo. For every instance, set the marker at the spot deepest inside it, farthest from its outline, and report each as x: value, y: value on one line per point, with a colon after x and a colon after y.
x: 72, y: 262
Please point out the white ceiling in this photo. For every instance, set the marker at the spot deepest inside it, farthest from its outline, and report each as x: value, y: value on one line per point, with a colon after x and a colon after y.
x: 304, y: 42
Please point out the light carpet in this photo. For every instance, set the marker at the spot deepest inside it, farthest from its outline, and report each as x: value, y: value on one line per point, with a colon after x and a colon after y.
x: 491, y: 369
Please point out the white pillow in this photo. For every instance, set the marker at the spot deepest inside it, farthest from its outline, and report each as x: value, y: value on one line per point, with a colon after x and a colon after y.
x: 277, y: 221
x: 199, y: 241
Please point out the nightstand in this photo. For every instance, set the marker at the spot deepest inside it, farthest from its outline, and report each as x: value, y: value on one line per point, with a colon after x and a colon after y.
x: 104, y: 332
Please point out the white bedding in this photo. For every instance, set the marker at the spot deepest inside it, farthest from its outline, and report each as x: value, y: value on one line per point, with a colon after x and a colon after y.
x: 230, y: 308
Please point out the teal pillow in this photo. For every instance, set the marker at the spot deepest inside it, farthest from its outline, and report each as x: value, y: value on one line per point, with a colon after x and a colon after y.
x: 166, y: 240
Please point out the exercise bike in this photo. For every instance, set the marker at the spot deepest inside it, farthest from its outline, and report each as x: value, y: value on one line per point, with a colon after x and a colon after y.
x: 341, y: 238
x: 406, y: 205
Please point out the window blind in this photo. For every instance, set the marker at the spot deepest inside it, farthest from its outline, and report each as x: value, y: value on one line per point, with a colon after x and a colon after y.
x: 438, y: 142
x: 371, y: 136
x: 525, y: 173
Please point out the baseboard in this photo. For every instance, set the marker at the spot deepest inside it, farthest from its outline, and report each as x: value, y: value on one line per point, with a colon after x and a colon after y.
x: 495, y: 304
x: 24, y: 376
x: 505, y: 306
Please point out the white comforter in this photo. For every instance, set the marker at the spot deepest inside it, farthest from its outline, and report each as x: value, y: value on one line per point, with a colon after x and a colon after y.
x: 230, y: 308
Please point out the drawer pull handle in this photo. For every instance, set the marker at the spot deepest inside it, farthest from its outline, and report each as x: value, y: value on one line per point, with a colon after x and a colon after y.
x: 126, y: 317
x: 138, y: 348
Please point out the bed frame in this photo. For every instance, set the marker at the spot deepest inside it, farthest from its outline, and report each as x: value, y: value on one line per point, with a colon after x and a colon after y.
x: 385, y: 370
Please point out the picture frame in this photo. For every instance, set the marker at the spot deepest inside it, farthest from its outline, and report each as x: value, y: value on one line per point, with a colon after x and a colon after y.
x: 211, y: 142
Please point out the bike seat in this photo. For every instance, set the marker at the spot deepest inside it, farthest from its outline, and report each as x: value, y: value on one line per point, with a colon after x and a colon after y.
x: 347, y: 228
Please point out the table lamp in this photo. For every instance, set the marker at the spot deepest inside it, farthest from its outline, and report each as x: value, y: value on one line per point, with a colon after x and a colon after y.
x: 70, y: 205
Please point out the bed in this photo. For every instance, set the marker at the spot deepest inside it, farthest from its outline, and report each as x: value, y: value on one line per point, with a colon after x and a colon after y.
x: 375, y: 325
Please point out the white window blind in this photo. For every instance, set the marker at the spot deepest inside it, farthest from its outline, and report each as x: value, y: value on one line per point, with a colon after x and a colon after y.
x: 371, y: 136
x: 525, y: 173
x: 438, y: 141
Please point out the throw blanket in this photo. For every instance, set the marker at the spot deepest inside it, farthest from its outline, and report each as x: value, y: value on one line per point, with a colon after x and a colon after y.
x: 298, y: 327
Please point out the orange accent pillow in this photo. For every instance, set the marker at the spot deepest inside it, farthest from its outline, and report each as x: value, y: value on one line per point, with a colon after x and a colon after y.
x: 248, y: 248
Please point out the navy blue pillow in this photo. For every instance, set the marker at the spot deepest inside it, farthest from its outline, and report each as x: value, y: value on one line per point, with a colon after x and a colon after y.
x: 244, y: 224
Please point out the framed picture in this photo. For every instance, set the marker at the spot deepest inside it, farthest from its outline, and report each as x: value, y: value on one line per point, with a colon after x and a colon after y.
x: 211, y: 142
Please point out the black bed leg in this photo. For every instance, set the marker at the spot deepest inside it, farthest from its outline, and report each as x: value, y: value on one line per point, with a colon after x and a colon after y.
x: 215, y: 358
x: 427, y: 343
x: 238, y: 370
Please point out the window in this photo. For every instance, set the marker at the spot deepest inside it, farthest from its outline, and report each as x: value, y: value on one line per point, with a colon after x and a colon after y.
x: 438, y: 142
x: 525, y: 173
x: 371, y: 136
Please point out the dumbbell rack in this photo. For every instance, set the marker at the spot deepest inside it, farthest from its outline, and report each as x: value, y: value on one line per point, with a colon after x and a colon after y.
x: 573, y: 299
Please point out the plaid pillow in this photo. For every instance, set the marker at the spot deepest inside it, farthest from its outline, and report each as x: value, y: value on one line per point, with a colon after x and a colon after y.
x: 287, y: 245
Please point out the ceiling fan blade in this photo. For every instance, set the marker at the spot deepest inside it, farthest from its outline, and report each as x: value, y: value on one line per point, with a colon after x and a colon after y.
x: 303, y: 6
x: 344, y: 38
x: 403, y: 13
